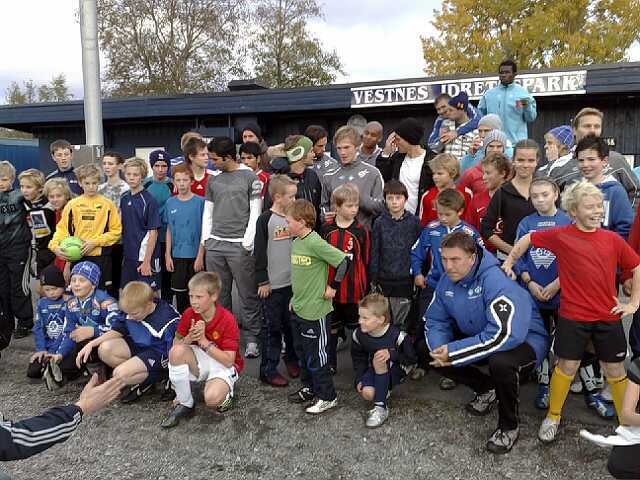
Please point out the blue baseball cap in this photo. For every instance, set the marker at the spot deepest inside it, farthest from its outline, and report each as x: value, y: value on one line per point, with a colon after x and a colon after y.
x: 88, y: 270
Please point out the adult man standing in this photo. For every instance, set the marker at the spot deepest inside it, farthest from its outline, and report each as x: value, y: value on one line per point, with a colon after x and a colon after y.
x: 369, y: 149
x: 323, y: 163
x: 513, y: 103
x: 479, y: 316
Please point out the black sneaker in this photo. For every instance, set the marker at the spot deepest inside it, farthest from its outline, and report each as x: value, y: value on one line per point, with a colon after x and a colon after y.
x: 21, y: 332
x: 304, y: 395
x: 179, y: 412
x: 168, y: 393
x: 134, y: 393
x: 483, y: 403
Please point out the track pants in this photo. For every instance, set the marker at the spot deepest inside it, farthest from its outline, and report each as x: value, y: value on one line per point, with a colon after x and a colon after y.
x: 15, y: 294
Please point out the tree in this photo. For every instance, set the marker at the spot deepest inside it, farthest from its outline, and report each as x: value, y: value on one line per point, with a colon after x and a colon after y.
x: 168, y: 47
x: 55, y: 91
x: 475, y: 37
x: 285, y: 55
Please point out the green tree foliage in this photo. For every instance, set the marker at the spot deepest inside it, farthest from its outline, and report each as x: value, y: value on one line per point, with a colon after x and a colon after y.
x: 283, y: 51
x: 55, y: 91
x: 475, y: 36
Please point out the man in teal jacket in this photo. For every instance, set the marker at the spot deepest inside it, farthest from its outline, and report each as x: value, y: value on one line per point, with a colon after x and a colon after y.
x: 513, y: 103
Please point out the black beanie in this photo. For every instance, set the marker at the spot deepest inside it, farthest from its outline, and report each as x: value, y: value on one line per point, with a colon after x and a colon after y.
x: 410, y: 130
x: 254, y: 128
x: 52, y: 277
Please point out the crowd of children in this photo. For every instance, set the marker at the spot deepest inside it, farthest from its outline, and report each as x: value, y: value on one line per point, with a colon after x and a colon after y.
x: 322, y: 252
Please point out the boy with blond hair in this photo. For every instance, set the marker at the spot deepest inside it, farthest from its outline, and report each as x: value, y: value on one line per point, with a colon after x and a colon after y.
x: 15, y: 246
x: 92, y: 218
x: 62, y: 154
x: 446, y: 170
x: 586, y: 315
x: 206, y: 348
x: 137, y: 346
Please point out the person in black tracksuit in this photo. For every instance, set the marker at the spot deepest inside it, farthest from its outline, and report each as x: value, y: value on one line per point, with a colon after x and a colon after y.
x: 15, y: 249
x: 42, y: 219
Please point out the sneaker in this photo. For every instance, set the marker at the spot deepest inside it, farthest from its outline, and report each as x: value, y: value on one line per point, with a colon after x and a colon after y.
x: 226, y: 404
x: 605, y: 393
x: 179, y: 412
x: 548, y: 430
x: 168, y: 393
x: 49, y: 379
x: 376, y: 416
x: 304, y: 395
x: 542, y: 398
x: 483, y: 403
x: 56, y: 371
x: 502, y: 441
x: 293, y: 369
x: 588, y: 377
x: 417, y: 373
x: 276, y: 381
x: 134, y: 393
x: 576, y: 385
x: 252, y: 350
x: 21, y: 332
x: 604, y: 409
x: 447, y: 384
x: 322, y: 406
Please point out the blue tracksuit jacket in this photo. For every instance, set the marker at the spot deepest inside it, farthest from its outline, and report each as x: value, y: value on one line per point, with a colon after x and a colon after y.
x: 49, y: 324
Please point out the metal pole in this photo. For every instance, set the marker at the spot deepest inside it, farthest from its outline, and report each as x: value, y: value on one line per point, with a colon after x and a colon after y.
x: 91, y: 75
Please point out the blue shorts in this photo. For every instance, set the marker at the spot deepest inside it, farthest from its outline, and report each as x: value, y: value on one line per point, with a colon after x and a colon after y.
x: 397, y: 377
x: 130, y: 273
x: 156, y: 363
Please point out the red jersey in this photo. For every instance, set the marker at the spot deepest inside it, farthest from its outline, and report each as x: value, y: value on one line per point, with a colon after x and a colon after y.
x: 199, y: 187
x: 355, y: 242
x: 428, y: 211
x: 472, y: 179
x: 222, y: 330
x: 475, y: 212
x: 587, y: 265
x: 264, y: 180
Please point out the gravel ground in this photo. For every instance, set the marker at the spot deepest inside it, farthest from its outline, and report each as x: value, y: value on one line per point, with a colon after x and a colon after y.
x: 428, y: 436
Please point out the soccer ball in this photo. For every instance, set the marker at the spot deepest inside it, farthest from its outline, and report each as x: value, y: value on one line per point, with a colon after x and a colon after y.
x: 72, y: 247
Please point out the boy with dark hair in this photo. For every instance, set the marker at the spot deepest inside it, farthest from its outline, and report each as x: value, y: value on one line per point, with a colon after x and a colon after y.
x: 197, y: 157
x: 232, y: 207
x: 62, y: 154
x: 251, y: 155
x: 323, y: 163
x: 311, y: 304
x: 394, y: 233
x: 348, y: 235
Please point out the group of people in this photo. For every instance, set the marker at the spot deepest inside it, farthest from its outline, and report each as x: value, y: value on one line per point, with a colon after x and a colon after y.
x: 466, y: 250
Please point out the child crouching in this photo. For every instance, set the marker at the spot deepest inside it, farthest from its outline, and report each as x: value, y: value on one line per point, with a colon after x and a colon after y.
x: 381, y: 354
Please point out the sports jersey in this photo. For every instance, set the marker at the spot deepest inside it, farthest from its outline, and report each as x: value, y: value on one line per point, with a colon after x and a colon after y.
x: 97, y: 311
x: 90, y: 218
x: 264, y: 180
x: 310, y: 260
x: 429, y: 244
x: 140, y: 216
x: 475, y: 212
x: 70, y: 177
x: 161, y: 191
x: 539, y: 263
x: 156, y: 331
x: 222, y: 330
x: 428, y: 212
x: 355, y: 241
x: 184, y: 221
x: 272, y: 250
x: 587, y: 258
x: 49, y: 324
x: 199, y: 187
x: 42, y: 221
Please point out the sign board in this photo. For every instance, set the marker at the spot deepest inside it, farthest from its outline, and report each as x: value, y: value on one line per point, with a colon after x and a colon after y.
x: 539, y: 84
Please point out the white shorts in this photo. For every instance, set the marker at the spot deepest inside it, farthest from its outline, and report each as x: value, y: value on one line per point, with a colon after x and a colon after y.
x: 210, y: 368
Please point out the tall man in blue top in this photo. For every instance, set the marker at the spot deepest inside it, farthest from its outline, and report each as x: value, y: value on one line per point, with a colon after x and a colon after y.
x: 478, y: 316
x: 513, y: 103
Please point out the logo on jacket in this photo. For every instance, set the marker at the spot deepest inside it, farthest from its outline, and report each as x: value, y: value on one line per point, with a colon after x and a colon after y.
x: 363, y: 173
x: 542, y: 258
x: 474, y: 292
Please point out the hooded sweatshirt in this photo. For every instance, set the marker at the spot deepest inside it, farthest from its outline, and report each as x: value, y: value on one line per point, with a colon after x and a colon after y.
x: 618, y: 214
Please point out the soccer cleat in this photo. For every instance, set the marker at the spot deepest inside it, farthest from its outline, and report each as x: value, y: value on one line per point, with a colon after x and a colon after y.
x: 304, y: 395
x: 483, y: 403
x: 548, y: 430
x: 252, y: 350
x: 134, y: 393
x: 49, y: 379
x: 589, y: 379
x: 226, y: 404
x: 604, y: 409
x: 56, y: 371
x: 179, y: 412
x: 376, y: 416
x: 502, y: 441
x: 542, y: 398
x: 322, y: 406
x: 447, y: 384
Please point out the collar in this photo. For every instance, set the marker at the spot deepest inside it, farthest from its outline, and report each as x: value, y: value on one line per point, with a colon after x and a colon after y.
x: 384, y: 330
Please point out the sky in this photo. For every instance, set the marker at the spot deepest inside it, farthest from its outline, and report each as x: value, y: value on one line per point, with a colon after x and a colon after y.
x: 375, y: 42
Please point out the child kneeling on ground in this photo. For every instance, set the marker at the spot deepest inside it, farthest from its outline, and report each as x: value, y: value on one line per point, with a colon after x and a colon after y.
x: 206, y: 348
x: 381, y: 354
x: 137, y: 347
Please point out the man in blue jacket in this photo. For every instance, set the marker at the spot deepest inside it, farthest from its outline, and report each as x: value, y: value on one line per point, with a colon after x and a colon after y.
x: 479, y: 316
x: 513, y: 103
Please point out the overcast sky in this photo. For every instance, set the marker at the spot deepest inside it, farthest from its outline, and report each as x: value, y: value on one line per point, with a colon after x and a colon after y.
x: 41, y: 38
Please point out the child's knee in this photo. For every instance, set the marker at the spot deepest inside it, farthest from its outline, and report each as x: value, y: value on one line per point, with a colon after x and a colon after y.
x: 215, y: 395
x: 368, y: 393
x: 613, y: 370
x: 568, y: 367
x: 177, y: 354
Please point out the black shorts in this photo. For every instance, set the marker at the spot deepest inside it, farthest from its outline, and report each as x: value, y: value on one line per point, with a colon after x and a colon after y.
x: 156, y: 363
x: 344, y: 315
x: 130, y: 273
x: 609, y: 340
x: 182, y: 272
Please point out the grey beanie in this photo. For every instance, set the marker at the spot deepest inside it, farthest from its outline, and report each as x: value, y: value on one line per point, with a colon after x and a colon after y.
x: 495, y: 135
x: 492, y: 121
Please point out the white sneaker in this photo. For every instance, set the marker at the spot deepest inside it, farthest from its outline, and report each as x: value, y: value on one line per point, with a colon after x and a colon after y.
x: 252, y: 350
x: 376, y: 416
x: 322, y: 406
x: 548, y: 430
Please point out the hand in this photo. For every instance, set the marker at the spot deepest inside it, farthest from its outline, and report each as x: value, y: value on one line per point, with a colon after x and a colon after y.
x: 56, y: 358
x: 198, y: 330
x: 83, y: 355
x: 329, y: 293
x: 448, y: 136
x: 87, y: 246
x: 264, y: 290
x: 359, y: 387
x: 390, y: 145
x: 81, y: 334
x: 550, y: 291
x: 94, y: 397
x: 145, y: 269
x: 623, y: 309
x: 626, y: 286
x: 39, y: 356
x: 381, y: 357
x: 66, y: 273
x: 419, y: 281
x: 168, y: 261
x: 198, y: 265
x: 507, y: 267
x: 440, y: 356
x: 536, y: 290
x: 61, y: 253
